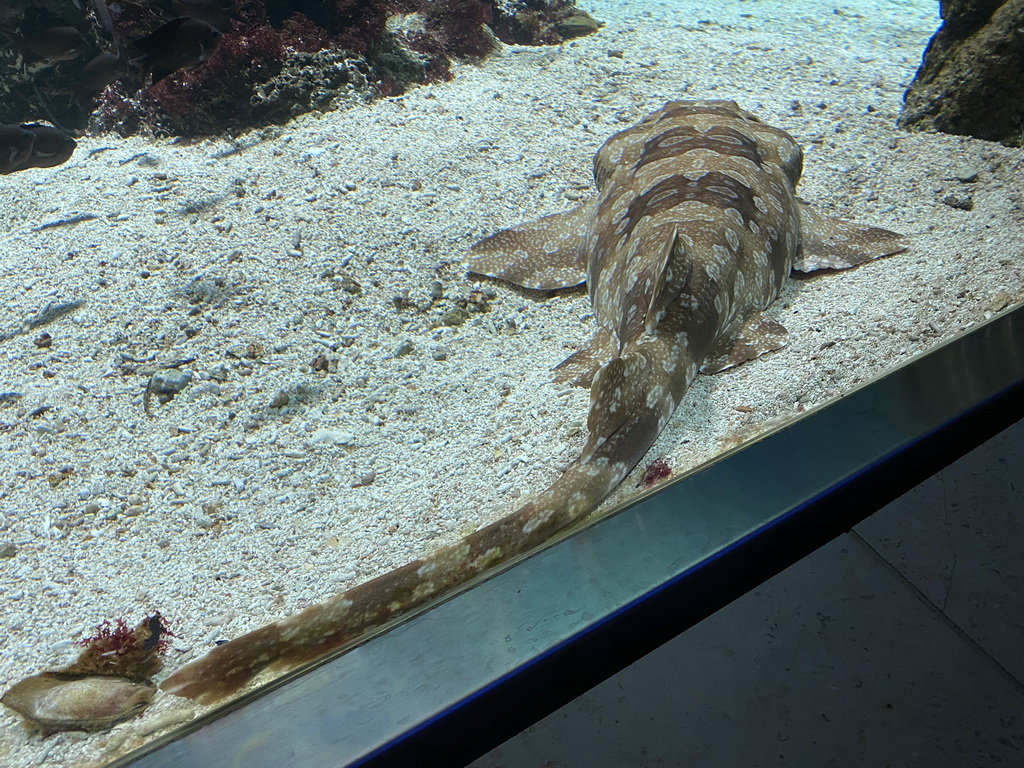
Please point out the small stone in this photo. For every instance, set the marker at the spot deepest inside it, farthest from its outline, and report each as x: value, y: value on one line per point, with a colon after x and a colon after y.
x: 454, y: 317
x: 8, y: 549
x: 959, y: 200
x: 165, y: 720
x: 166, y: 384
x: 440, y: 353
x: 350, y: 286
x: 577, y: 24
x: 281, y: 399
x: 406, y: 347
x: 219, y: 372
x: 966, y: 174
x: 998, y: 302
x: 333, y: 436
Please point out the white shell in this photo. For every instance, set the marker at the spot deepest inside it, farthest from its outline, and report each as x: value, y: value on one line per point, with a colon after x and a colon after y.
x: 54, y: 701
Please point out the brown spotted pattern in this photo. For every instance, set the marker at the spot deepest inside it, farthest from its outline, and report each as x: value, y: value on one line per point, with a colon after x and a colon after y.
x: 692, y: 233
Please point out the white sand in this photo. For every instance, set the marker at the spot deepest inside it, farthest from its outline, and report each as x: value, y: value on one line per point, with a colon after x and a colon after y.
x: 248, y: 512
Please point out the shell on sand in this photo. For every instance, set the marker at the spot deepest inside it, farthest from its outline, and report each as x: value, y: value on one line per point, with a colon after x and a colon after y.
x: 55, y: 701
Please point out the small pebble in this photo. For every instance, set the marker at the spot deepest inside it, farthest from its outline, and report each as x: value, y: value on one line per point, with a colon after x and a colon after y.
x: 333, y: 436
x: 166, y: 720
x: 966, y: 174
x: 166, y: 384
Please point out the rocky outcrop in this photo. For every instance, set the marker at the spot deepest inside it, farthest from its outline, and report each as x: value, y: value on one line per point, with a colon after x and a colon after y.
x: 125, y: 67
x: 971, y: 81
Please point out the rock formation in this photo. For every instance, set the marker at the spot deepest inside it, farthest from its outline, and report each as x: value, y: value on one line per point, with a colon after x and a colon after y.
x: 971, y: 81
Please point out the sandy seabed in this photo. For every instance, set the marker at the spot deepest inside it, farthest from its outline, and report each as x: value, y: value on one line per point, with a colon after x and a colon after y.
x: 267, y: 485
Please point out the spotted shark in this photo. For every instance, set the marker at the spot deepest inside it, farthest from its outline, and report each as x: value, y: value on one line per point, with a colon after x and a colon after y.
x: 692, y: 234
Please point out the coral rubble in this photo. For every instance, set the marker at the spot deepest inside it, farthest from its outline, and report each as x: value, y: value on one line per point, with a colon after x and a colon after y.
x: 261, y: 61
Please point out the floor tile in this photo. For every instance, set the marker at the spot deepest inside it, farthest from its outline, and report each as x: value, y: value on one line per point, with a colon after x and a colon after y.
x: 959, y: 538
x: 835, y: 662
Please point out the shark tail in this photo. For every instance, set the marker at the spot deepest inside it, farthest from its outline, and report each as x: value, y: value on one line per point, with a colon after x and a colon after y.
x: 625, y: 383
x: 331, y: 625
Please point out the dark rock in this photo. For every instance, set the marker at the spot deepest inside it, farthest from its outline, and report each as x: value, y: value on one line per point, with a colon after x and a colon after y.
x: 959, y: 200
x: 165, y: 385
x: 971, y: 81
x: 540, y: 22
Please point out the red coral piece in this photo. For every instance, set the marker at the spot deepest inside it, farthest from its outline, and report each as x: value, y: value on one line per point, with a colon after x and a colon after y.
x: 119, y: 638
x: 111, y: 638
x: 656, y: 471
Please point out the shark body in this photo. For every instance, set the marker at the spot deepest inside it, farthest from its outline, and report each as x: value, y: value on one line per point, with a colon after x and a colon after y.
x: 693, y: 232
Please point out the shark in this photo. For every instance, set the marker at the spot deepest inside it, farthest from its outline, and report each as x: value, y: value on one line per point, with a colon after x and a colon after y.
x: 692, y: 234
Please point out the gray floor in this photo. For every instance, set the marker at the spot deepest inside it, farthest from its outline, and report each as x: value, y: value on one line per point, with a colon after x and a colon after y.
x: 901, y: 644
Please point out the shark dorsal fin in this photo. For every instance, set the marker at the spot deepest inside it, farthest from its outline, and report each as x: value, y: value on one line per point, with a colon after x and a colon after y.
x: 659, y: 301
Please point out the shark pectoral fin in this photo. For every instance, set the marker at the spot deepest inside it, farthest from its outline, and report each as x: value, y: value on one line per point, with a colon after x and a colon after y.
x: 757, y: 336
x: 830, y: 243
x: 545, y: 254
x: 581, y: 366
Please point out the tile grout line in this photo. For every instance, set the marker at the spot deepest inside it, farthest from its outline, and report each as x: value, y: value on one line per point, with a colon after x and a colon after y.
x: 1009, y: 676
